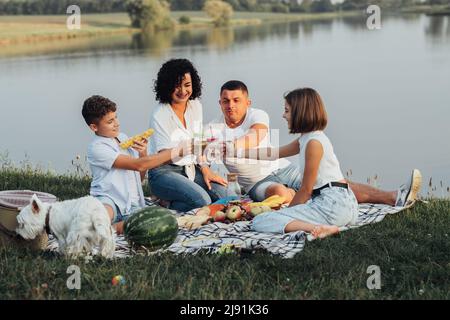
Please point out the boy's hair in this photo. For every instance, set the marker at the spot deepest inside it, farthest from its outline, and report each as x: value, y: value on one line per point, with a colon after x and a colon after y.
x: 171, y: 75
x: 95, y: 108
x: 234, y: 85
x: 307, y: 111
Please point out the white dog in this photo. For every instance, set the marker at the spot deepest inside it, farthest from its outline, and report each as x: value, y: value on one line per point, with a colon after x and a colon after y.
x: 78, y: 225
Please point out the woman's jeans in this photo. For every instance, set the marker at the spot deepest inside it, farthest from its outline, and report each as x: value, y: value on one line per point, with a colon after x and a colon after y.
x: 169, y: 182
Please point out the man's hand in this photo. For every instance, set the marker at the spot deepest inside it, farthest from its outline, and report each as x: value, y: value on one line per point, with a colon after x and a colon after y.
x: 210, y: 176
x: 141, y: 147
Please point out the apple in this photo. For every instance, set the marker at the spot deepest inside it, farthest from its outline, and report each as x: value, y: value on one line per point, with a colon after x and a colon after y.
x: 234, y: 213
x: 260, y: 209
x: 219, y: 216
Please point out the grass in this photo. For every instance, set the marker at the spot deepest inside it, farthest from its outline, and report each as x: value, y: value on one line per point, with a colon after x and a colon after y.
x: 412, y: 250
x: 428, y: 9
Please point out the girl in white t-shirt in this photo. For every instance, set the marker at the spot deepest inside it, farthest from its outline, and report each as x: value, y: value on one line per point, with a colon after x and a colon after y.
x: 324, y: 201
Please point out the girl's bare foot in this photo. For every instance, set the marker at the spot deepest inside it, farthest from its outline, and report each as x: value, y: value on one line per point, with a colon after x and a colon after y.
x: 324, y: 231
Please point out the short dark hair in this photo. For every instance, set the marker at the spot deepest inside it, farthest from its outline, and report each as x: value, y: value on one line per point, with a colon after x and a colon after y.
x: 171, y: 75
x: 234, y: 85
x: 307, y: 111
x: 95, y: 108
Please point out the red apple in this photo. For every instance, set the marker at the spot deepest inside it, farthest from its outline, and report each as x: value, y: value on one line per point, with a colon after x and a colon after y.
x: 219, y: 216
x: 234, y: 213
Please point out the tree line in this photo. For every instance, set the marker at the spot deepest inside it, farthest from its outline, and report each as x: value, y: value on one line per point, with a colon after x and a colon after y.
x: 38, y: 7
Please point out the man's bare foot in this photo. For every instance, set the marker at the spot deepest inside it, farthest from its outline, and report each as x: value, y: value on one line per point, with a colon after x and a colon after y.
x: 323, y: 231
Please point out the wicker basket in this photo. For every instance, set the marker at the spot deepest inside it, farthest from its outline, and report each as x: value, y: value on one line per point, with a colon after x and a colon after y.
x: 11, y: 202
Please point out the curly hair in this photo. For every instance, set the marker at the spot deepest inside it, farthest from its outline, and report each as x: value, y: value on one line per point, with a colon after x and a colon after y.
x: 95, y: 108
x: 171, y: 75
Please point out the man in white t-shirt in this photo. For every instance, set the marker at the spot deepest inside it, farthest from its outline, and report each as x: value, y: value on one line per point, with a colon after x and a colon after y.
x: 249, y: 128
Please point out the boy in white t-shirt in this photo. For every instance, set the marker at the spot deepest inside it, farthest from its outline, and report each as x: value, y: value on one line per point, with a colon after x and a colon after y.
x: 117, y: 173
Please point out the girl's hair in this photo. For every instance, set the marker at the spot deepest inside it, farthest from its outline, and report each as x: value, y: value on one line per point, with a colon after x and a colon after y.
x: 171, y: 75
x: 307, y: 110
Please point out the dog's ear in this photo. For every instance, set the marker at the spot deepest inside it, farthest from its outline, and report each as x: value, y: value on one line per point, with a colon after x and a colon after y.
x: 35, y: 204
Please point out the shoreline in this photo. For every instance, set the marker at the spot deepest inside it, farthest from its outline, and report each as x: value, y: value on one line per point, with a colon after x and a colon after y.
x: 19, y: 30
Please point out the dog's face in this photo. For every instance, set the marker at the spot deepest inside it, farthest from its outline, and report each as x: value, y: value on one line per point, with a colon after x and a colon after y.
x: 31, y: 219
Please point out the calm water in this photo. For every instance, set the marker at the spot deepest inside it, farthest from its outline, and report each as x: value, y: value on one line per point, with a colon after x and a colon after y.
x: 386, y: 91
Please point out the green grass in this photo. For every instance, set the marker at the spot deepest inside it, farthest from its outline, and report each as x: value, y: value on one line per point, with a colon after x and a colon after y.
x: 428, y: 9
x: 412, y: 250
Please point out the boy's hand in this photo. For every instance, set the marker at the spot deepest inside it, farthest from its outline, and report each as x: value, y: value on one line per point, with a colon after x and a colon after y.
x: 141, y: 147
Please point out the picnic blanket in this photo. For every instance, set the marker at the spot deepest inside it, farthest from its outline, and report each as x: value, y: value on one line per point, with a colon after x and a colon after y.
x: 217, y: 237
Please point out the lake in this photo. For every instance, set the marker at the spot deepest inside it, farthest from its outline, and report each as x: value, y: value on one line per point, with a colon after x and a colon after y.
x: 386, y: 91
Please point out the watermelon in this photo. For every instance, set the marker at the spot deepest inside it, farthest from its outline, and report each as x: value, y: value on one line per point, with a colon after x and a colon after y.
x: 152, y: 227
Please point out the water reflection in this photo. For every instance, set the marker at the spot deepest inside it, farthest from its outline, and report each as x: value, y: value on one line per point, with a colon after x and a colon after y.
x: 438, y: 28
x: 159, y: 43
x: 154, y: 43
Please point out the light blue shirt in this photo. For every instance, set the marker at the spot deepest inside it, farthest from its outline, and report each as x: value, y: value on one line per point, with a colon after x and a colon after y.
x: 108, y: 181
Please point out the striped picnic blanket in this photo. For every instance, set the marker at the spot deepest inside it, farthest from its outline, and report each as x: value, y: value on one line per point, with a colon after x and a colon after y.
x: 216, y: 237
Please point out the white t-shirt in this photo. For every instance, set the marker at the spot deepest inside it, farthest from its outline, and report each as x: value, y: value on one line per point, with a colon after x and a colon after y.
x: 249, y: 171
x: 132, y: 181
x: 169, y: 131
x: 329, y: 168
x: 111, y: 182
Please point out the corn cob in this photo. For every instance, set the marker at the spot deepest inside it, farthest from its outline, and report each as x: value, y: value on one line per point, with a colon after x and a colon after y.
x: 128, y: 143
x: 273, y: 202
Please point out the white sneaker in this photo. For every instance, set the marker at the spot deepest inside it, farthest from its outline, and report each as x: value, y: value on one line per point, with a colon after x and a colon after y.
x: 407, y: 193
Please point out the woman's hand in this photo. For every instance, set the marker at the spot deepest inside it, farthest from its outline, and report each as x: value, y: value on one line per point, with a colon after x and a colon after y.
x: 141, y: 147
x: 210, y: 176
x: 184, y: 148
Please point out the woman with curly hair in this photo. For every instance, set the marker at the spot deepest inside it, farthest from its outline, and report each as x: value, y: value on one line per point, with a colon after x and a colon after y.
x: 187, y: 183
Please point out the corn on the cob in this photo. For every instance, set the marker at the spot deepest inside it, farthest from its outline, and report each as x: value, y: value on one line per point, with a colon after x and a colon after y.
x: 128, y: 143
x: 273, y: 201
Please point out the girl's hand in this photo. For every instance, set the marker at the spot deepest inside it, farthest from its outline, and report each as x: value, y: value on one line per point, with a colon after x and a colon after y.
x: 141, y: 147
x: 210, y: 176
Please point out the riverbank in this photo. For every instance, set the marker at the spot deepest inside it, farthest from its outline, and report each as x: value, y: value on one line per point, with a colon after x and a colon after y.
x: 333, y: 268
x: 16, y: 30
x: 429, y: 10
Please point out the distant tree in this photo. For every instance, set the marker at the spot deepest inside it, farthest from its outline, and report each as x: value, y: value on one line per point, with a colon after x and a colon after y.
x: 306, y: 5
x: 220, y: 11
x: 149, y: 14
x: 184, y: 20
x: 235, y: 4
x: 322, y: 6
x: 248, y: 5
x: 279, y: 8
